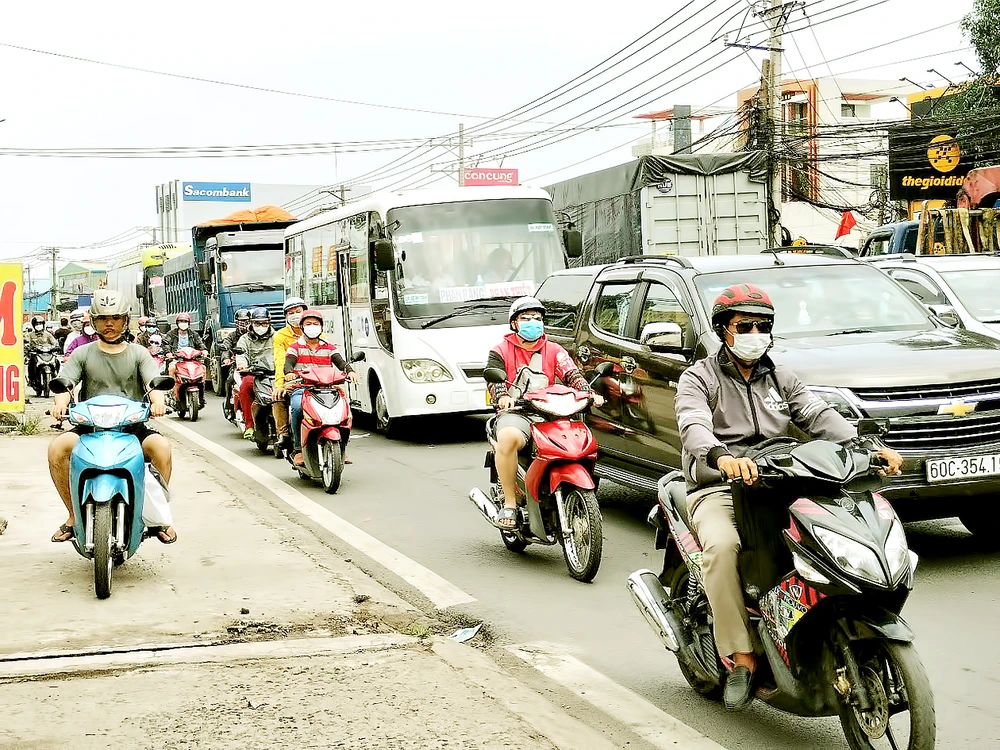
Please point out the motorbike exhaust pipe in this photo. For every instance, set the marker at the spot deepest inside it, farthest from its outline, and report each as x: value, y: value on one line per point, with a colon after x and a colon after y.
x: 652, y: 601
x: 484, y: 504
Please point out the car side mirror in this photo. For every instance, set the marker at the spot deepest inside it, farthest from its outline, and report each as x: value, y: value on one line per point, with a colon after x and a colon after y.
x: 603, y: 370
x: 385, y: 254
x: 665, y: 337
x: 494, y: 375
x: 161, y: 383
x: 573, y: 242
x: 873, y: 427
x: 947, y: 315
x: 359, y: 357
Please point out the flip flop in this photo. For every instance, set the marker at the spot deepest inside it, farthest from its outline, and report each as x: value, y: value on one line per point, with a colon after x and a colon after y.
x: 66, y: 531
x: 507, y: 514
x: 162, y: 530
x: 348, y: 461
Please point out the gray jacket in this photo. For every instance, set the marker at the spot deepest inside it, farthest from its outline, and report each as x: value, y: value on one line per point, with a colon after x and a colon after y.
x: 719, y: 413
x: 259, y: 352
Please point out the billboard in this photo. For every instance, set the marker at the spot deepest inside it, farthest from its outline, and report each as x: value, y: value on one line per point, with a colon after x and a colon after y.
x: 11, y: 339
x: 488, y: 177
x: 216, y: 192
x: 926, y: 162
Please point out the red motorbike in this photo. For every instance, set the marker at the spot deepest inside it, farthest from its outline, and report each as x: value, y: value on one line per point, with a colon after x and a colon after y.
x: 188, y: 395
x: 557, y: 499
x: 155, y: 350
x: 326, y: 425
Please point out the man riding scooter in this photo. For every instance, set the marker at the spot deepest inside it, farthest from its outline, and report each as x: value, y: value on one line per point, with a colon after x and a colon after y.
x: 37, y: 337
x: 526, y: 346
x: 293, y: 309
x: 257, y: 345
x: 728, y: 403
x: 308, y: 352
x: 180, y: 337
x: 109, y: 367
x: 241, y: 318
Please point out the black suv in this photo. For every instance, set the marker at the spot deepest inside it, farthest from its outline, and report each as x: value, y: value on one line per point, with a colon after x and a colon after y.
x: 851, y: 333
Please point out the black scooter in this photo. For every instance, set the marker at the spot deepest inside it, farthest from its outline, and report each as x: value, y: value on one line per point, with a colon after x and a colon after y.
x: 45, y: 365
x: 826, y: 570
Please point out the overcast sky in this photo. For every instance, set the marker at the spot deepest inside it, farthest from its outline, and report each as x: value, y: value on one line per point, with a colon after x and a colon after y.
x: 468, y: 59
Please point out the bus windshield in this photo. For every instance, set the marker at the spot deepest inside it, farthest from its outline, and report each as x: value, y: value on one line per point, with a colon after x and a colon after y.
x: 253, y: 270
x: 452, y: 253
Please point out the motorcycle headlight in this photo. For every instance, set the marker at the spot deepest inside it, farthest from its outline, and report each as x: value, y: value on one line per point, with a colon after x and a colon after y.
x: 107, y: 417
x: 424, y: 371
x: 836, y: 398
x: 560, y: 405
x: 852, y: 557
x: 897, y: 552
x: 807, y: 570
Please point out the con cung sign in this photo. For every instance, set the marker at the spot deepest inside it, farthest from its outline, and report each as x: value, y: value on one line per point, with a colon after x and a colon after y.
x: 488, y: 176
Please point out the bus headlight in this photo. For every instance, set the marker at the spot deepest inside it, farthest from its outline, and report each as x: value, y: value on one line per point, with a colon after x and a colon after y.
x: 424, y: 371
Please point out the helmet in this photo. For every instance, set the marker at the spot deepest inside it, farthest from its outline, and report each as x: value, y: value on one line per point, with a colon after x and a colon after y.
x: 143, y: 320
x: 745, y: 298
x: 243, y: 314
x: 523, y: 304
x: 183, y: 318
x: 108, y: 302
x: 36, y: 319
x: 312, y: 314
x: 260, y: 314
x: 293, y: 302
x: 76, y: 315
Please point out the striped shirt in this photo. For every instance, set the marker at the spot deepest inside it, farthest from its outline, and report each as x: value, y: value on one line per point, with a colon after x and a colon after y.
x: 301, y: 356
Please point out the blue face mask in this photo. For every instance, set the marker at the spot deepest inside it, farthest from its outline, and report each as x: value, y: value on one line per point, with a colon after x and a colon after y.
x: 530, y: 330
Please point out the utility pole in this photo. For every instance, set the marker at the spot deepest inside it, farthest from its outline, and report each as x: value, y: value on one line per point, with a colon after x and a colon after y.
x: 461, y: 155
x: 775, y: 123
x: 53, y: 293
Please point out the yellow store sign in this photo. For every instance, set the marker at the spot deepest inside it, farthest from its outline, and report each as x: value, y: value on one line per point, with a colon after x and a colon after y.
x: 11, y: 339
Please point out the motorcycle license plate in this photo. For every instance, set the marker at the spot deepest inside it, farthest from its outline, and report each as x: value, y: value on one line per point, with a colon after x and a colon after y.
x: 970, y: 467
x: 489, y: 399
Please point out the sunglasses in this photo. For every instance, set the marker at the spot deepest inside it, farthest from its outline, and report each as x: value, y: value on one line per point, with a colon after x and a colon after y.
x: 746, y: 326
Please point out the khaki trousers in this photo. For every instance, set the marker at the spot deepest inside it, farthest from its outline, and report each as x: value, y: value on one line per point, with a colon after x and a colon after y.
x: 280, y: 411
x: 715, y: 525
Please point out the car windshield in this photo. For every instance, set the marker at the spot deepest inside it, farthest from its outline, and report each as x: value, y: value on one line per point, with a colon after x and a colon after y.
x: 976, y: 289
x: 253, y: 270
x: 451, y: 254
x: 814, y: 300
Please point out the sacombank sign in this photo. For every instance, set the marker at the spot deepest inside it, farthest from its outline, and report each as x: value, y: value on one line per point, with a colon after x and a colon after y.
x: 217, y: 192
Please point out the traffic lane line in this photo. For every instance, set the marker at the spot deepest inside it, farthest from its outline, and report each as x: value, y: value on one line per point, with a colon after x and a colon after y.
x: 651, y: 723
x: 440, y: 592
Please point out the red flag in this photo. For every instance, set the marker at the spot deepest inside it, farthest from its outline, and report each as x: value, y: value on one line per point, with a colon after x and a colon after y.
x: 847, y: 223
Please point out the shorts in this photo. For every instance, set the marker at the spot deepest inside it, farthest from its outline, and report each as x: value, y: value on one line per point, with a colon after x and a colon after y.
x: 519, y: 422
x: 141, y: 431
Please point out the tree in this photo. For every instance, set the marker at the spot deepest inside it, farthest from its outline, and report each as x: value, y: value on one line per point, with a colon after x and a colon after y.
x: 980, y: 27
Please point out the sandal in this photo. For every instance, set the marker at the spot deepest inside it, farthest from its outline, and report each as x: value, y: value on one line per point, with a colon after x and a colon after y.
x: 64, y: 531
x: 161, y: 533
x: 507, y: 514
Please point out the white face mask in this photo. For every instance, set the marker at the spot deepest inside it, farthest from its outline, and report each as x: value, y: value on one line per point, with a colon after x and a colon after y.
x: 750, y: 346
x: 183, y: 326
x: 312, y: 331
x: 261, y: 330
x: 293, y: 319
x: 40, y: 328
x: 89, y: 330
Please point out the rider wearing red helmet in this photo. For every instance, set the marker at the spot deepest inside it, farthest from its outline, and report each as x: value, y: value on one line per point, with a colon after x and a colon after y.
x: 726, y: 404
x: 179, y: 337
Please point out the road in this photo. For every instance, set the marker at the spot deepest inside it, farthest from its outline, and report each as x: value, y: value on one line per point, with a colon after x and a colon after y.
x: 411, y: 494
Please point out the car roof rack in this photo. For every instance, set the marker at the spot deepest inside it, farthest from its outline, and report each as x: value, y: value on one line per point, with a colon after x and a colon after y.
x: 678, y: 259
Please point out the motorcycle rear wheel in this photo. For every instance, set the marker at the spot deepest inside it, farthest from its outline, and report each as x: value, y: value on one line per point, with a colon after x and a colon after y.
x: 104, y: 559
x: 897, y: 684
x: 192, y: 401
x: 584, y: 547
x: 704, y: 688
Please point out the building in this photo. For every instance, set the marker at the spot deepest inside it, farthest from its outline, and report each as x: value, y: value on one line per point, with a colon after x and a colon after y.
x: 833, y: 151
x: 181, y: 205
x: 80, y: 278
x: 683, y: 130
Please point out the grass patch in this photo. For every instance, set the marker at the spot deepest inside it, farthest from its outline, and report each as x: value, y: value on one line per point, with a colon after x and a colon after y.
x: 14, y: 424
x: 418, y: 630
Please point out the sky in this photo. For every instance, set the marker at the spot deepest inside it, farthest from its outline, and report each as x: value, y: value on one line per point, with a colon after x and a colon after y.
x: 467, y: 62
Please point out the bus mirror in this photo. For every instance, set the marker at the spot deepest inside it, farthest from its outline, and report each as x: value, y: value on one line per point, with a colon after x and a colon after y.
x: 138, y: 291
x: 573, y: 242
x: 204, y: 272
x: 385, y: 255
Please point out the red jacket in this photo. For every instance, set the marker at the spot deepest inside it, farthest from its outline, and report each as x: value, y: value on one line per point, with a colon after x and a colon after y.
x: 556, y: 362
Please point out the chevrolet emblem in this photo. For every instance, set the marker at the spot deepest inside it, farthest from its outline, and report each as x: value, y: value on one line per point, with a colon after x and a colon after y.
x: 957, y: 408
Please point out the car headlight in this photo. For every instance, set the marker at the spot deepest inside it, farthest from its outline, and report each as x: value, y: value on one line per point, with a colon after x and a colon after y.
x: 424, y: 371
x: 560, y: 404
x: 897, y: 552
x: 852, y: 557
x: 107, y: 417
x: 836, y: 398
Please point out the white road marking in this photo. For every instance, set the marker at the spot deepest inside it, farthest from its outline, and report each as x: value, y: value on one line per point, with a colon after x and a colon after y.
x: 442, y: 593
x: 642, y: 717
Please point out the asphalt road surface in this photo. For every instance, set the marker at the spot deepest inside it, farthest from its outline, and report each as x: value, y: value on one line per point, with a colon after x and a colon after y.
x: 411, y: 494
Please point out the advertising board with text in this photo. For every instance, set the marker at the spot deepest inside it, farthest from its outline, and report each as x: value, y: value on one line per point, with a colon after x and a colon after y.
x: 489, y: 177
x: 11, y: 339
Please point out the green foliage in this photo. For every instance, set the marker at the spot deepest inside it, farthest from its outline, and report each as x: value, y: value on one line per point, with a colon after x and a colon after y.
x: 982, y: 28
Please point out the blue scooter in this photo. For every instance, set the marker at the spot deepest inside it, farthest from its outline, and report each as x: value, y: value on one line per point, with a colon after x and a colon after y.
x: 107, y: 480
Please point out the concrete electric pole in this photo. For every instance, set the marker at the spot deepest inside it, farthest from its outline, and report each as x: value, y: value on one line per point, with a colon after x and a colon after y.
x: 461, y: 155
x: 777, y: 16
x: 54, y: 292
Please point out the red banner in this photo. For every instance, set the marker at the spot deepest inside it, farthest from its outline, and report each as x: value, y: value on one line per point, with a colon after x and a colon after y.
x: 488, y: 177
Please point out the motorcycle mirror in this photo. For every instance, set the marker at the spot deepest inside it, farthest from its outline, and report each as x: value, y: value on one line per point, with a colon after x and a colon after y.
x: 161, y: 383
x: 59, y: 385
x: 604, y: 369
x: 876, y: 427
x: 494, y: 375
x: 359, y: 357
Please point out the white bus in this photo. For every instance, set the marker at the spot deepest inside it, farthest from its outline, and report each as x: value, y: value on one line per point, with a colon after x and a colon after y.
x: 421, y: 282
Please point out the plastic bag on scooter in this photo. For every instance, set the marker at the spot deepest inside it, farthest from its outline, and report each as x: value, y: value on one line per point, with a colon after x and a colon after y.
x: 155, y: 501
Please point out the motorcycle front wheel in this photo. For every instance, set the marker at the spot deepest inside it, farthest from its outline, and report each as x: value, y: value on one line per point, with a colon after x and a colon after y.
x: 43, y: 381
x: 333, y: 465
x: 192, y: 400
x: 104, y: 559
x: 583, y: 547
x: 902, y: 713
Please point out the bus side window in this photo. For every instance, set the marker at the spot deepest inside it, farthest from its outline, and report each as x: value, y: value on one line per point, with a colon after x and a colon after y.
x: 381, y: 314
x: 359, y: 275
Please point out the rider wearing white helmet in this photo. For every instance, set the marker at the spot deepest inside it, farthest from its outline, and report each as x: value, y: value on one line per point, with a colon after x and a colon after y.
x: 111, y: 366
x: 293, y: 309
x: 525, y: 347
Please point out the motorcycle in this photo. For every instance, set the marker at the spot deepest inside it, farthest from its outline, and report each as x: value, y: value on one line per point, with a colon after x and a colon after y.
x: 45, y: 364
x: 107, y: 481
x: 326, y: 424
x: 188, y: 394
x: 155, y: 350
x: 557, y: 502
x: 265, y: 429
x: 826, y: 570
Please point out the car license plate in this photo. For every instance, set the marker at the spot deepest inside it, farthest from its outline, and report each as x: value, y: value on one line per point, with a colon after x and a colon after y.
x: 945, y: 469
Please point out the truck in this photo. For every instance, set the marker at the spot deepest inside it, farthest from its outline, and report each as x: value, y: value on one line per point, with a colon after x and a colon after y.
x: 681, y: 205
x: 235, y: 262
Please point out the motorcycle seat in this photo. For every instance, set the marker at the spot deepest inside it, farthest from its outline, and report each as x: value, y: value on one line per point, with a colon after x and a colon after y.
x: 678, y: 496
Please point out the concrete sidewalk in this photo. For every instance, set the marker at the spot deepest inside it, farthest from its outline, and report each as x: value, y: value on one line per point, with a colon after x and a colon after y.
x: 249, y: 632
